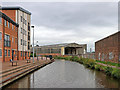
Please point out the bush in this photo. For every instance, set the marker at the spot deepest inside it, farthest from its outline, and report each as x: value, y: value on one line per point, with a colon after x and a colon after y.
x: 98, y: 67
x: 116, y: 73
x: 108, y: 70
x: 31, y: 55
x: 75, y: 58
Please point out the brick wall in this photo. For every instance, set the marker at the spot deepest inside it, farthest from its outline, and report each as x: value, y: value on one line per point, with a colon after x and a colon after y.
x: 107, y: 48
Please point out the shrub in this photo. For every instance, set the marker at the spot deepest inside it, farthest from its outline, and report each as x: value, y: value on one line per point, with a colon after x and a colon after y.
x: 98, y: 67
x: 31, y: 55
x: 116, y: 73
x: 75, y: 58
x: 108, y: 70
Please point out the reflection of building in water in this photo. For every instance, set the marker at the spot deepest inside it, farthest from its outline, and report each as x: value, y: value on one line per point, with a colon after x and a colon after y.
x: 61, y: 49
x: 108, y: 49
x: 105, y: 81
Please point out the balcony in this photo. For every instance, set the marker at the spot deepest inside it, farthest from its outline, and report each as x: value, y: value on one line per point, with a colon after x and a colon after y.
x: 7, y: 43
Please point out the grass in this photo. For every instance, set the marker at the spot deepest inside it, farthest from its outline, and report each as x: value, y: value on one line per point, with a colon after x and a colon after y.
x: 109, y: 63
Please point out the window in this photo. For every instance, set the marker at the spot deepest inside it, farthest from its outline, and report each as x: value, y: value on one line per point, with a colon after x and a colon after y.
x: 12, y: 27
x: 12, y: 39
x: 8, y: 52
x: 21, y: 30
x: 28, y: 46
x: 111, y: 56
x: 21, y: 18
x: 15, y: 40
x: 25, y: 22
x: 21, y: 53
x: 8, y: 24
x: 15, y: 28
x: 0, y: 20
x: 0, y: 36
x: 28, y: 54
x: 5, y: 52
x: 5, y: 23
x: 0, y: 52
x: 7, y: 40
x: 29, y: 26
x: 21, y: 41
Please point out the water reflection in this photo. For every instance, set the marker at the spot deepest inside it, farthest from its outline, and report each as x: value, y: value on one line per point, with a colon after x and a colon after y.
x: 65, y: 74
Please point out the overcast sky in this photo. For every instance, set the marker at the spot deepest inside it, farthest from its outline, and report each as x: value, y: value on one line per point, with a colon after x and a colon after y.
x: 67, y: 22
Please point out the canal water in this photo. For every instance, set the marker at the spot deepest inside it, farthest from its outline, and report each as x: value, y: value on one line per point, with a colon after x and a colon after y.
x: 65, y: 74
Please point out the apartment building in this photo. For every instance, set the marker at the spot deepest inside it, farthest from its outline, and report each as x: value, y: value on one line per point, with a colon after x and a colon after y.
x: 8, y: 38
x: 23, y: 18
x: 108, y: 49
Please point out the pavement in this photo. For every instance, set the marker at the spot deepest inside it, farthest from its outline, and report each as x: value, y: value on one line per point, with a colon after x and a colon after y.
x: 8, y: 65
x: 108, y: 65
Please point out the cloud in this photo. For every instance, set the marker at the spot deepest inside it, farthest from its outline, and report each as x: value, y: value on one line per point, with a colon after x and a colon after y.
x: 65, y: 22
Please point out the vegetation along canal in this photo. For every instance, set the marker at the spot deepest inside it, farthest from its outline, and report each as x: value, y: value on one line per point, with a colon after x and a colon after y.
x: 65, y: 74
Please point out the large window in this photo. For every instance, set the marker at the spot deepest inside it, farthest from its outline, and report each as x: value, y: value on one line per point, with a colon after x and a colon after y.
x: 15, y: 40
x: 5, y: 23
x: 8, y: 24
x: 28, y: 54
x: 21, y: 53
x: 0, y: 36
x: 5, y: 52
x: 21, y: 41
x: 12, y: 39
x: 7, y: 40
x: 8, y: 52
x: 21, y: 18
x: 21, y: 30
x: 0, y: 52
x: 12, y: 27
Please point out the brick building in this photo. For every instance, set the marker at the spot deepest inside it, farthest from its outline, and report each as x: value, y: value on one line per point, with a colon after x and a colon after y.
x: 108, y: 49
x: 23, y: 18
x: 8, y: 38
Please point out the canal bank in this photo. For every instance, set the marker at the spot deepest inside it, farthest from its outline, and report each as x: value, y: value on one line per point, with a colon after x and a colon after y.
x: 16, y: 72
x: 65, y: 74
x: 110, y: 69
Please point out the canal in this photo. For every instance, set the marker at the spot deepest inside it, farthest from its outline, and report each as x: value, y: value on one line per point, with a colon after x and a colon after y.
x: 65, y: 74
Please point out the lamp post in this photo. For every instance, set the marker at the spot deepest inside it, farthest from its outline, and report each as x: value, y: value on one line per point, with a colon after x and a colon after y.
x: 33, y: 42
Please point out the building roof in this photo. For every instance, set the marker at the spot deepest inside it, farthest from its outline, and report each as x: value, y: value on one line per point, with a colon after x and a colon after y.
x: 62, y: 45
x: 16, y: 8
x: 107, y: 37
x: 8, y: 19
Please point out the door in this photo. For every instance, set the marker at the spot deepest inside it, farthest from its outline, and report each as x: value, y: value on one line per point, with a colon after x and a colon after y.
x: 25, y: 55
x: 12, y: 54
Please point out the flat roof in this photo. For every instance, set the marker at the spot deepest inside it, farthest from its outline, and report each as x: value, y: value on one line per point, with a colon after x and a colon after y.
x: 8, y: 19
x: 16, y: 8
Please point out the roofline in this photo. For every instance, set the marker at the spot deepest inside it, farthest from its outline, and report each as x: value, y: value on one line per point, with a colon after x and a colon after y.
x: 107, y: 37
x: 16, y: 8
x: 61, y: 44
x: 8, y: 19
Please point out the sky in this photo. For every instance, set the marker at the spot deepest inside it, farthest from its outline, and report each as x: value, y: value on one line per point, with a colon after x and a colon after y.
x: 71, y: 22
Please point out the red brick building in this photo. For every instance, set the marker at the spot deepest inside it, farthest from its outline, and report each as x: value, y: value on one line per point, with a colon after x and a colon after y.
x: 108, y: 49
x: 8, y: 38
x: 23, y: 18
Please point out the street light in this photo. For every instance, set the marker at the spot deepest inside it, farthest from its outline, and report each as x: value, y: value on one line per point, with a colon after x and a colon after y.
x: 33, y: 42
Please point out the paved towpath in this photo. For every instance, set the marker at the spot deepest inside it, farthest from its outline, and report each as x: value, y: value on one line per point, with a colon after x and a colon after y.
x: 108, y: 65
x: 8, y: 65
